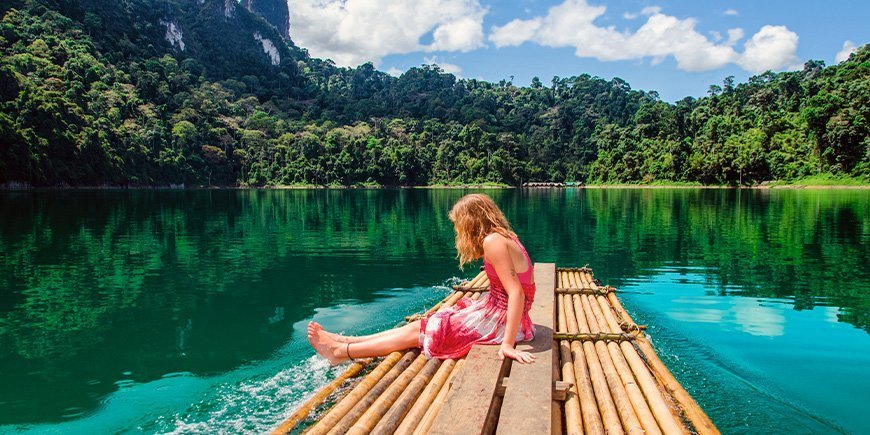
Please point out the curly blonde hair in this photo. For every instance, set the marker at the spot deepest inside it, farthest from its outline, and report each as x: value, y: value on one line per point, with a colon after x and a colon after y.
x: 474, y: 217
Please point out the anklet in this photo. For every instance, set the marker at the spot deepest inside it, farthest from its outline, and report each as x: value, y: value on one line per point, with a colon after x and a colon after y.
x: 347, y: 352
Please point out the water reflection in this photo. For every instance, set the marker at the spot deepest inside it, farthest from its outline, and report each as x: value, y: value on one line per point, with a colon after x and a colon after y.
x: 758, y: 352
x: 97, y: 283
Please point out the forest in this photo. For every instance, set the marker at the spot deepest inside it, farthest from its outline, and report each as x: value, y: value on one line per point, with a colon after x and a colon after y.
x: 93, y: 94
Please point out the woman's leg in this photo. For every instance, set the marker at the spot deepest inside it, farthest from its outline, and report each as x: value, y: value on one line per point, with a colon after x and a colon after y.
x: 379, y: 344
x: 406, y: 337
x: 312, y: 326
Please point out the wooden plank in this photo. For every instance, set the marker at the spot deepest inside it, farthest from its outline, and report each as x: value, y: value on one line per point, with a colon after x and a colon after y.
x: 471, y: 393
x: 528, y: 401
x: 560, y: 389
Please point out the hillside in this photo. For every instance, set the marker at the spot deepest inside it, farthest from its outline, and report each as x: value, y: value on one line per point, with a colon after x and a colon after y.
x: 213, y: 92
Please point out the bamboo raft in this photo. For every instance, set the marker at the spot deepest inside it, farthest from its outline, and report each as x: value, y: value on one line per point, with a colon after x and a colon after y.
x: 595, y: 373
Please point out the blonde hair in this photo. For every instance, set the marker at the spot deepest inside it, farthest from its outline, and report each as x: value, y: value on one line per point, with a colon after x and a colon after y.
x: 474, y: 217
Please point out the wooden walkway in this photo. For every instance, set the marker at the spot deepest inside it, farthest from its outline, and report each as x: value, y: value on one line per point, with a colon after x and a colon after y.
x: 595, y: 372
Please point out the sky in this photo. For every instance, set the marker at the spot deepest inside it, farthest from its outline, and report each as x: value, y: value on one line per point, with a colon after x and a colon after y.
x: 675, y: 47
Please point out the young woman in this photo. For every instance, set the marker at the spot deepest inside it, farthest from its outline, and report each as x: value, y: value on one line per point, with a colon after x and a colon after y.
x: 500, y: 316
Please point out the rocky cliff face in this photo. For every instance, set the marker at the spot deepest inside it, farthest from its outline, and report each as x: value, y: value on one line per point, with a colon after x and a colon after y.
x: 276, y: 12
x: 228, y: 38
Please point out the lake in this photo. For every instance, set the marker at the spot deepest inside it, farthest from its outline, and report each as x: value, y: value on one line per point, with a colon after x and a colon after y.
x: 184, y: 311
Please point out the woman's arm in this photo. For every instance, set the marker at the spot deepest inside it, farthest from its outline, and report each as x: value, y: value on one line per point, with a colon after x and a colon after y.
x: 497, y: 252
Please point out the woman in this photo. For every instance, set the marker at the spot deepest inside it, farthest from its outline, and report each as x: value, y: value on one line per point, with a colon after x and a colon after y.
x: 500, y: 316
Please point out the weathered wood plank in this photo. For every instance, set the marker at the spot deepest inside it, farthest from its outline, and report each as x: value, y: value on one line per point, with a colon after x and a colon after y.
x: 471, y: 393
x: 528, y: 401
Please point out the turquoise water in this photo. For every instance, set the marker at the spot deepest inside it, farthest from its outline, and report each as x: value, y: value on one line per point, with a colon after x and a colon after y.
x: 184, y: 311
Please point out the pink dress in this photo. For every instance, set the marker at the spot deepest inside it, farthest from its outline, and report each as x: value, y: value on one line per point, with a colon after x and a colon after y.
x: 451, y: 332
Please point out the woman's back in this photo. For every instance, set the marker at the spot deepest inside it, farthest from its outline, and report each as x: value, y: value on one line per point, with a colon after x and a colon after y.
x: 526, y: 277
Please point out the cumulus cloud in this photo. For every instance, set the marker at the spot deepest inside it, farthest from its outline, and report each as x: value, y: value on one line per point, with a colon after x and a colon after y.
x: 572, y: 24
x: 847, y: 50
x: 732, y: 12
x: 351, y: 32
x: 447, y: 67
x: 773, y: 47
x: 514, y: 33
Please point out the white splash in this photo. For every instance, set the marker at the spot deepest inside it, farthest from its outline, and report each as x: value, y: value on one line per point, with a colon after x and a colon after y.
x: 173, y: 34
x: 251, y: 407
x: 269, y: 48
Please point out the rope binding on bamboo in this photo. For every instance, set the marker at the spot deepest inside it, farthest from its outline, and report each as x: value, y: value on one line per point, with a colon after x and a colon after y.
x: 601, y: 291
x: 627, y: 326
x: 584, y: 269
x: 596, y: 336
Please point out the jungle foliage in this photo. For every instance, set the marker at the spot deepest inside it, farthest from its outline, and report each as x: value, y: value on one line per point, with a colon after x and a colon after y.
x: 92, y: 93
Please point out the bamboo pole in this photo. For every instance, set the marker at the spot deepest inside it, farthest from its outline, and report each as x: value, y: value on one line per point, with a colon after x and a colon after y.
x: 641, y: 408
x: 655, y: 399
x: 630, y: 421
x: 592, y: 418
x: 477, y: 279
x: 346, y: 404
x: 391, y: 420
x: 476, y: 282
x: 556, y: 406
x: 693, y: 412
x: 579, y: 277
x: 319, y: 397
x: 558, y: 409
x: 627, y: 415
x: 416, y: 413
x: 373, y: 414
x: 360, y: 407
x: 438, y: 403
x: 573, y: 417
x: 606, y: 403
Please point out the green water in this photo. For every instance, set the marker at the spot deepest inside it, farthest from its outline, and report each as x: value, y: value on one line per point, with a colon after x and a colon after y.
x: 184, y: 311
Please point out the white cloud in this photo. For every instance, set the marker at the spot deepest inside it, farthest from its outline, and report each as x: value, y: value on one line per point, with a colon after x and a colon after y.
x: 734, y: 35
x: 464, y: 34
x: 514, y: 33
x: 351, y: 32
x: 650, y: 10
x: 395, y: 72
x: 732, y: 12
x: 447, y: 67
x: 757, y: 319
x: 572, y: 24
x: 847, y: 50
x: 773, y: 47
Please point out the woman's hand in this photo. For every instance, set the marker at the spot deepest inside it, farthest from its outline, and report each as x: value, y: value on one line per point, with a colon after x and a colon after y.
x: 520, y: 356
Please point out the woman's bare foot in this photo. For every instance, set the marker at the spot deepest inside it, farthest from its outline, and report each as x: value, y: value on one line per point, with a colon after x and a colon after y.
x: 325, y: 346
x: 337, y: 337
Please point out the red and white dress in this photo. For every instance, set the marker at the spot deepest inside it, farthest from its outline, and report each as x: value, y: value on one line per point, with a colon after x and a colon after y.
x: 451, y: 332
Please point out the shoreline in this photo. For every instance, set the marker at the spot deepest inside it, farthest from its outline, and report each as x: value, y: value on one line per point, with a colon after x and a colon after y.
x: 21, y: 187
x: 757, y: 187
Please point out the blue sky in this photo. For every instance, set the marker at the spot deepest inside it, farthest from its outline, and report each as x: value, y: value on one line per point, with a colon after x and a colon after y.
x: 675, y: 47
